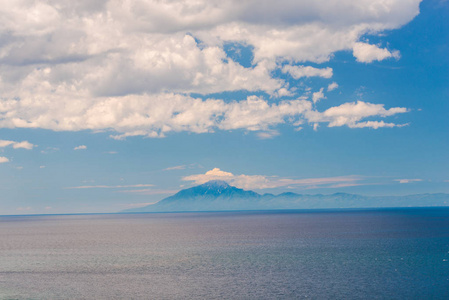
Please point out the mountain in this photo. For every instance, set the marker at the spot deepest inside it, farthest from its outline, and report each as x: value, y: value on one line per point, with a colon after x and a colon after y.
x: 219, y: 196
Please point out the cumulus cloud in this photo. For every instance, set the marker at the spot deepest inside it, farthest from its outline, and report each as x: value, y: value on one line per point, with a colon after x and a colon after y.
x: 17, y: 145
x: 156, y: 115
x: 368, y: 53
x: 407, y: 180
x: 80, y: 147
x: 214, y: 174
x: 267, y: 182
x: 350, y: 114
x: 307, y: 71
x: 332, y: 86
x: 3, y: 159
x: 267, y: 134
x: 132, y: 66
x: 317, y: 96
x: 303, y: 30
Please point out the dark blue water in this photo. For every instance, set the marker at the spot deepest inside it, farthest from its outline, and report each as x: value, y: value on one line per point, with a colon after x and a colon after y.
x: 377, y: 254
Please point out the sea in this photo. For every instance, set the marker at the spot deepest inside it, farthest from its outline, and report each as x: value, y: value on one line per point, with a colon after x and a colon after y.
x: 323, y: 254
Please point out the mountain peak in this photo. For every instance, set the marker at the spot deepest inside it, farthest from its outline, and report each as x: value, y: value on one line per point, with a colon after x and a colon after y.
x: 216, y: 184
x: 218, y: 195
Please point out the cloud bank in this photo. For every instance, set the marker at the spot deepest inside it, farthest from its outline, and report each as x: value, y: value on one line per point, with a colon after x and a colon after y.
x: 17, y: 145
x: 268, y: 182
x: 132, y: 66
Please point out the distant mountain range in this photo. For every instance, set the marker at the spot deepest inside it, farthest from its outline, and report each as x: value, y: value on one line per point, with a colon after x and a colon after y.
x: 219, y: 196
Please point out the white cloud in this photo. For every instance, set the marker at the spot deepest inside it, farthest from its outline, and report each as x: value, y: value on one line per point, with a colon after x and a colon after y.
x: 4, y: 143
x: 267, y: 134
x: 368, y: 53
x: 157, y: 115
x: 332, y: 86
x: 376, y: 124
x: 80, y: 147
x: 307, y: 71
x: 181, y: 167
x: 267, y: 182
x: 303, y: 30
x: 130, y: 66
x: 23, y: 145
x: 317, y: 96
x: 407, y: 180
x: 17, y: 145
x: 3, y: 159
x: 350, y: 114
x: 214, y: 174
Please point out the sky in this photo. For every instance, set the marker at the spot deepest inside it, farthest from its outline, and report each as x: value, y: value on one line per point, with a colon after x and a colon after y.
x: 107, y: 105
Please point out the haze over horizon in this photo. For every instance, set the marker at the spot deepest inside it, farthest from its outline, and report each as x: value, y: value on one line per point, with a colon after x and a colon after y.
x: 108, y: 105
x: 218, y: 195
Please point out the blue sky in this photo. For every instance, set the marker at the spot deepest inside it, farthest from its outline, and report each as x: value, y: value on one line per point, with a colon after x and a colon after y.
x: 108, y: 105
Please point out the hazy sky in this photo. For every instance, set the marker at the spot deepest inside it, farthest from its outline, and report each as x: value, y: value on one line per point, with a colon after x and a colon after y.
x: 108, y: 105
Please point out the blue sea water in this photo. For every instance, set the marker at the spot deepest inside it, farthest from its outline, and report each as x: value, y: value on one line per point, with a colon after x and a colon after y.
x: 362, y: 254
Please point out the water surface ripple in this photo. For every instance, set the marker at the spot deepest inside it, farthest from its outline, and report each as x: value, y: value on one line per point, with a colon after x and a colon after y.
x: 375, y: 254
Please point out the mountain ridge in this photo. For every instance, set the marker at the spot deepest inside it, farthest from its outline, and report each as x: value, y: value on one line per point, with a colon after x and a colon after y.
x: 217, y: 195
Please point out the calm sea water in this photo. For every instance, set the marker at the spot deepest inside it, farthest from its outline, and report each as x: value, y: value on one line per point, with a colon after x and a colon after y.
x: 383, y: 254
